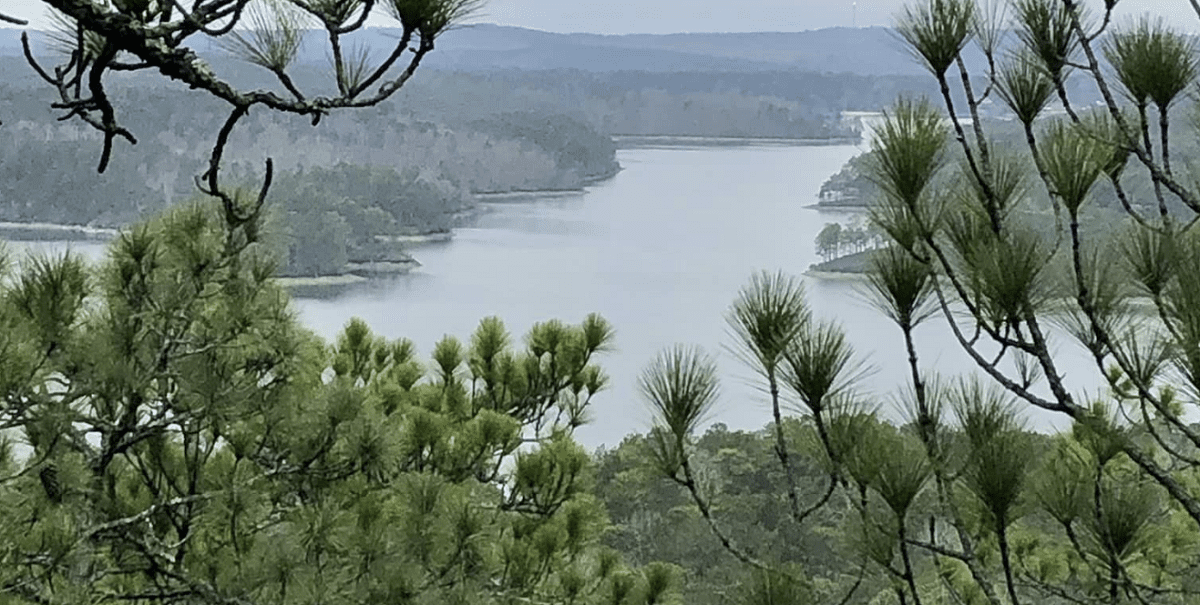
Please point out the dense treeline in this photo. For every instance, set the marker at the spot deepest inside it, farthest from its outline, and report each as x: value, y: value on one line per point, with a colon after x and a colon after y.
x: 444, y: 137
x: 853, y: 185
x: 654, y: 520
x: 329, y: 217
x: 775, y: 104
x: 836, y: 240
x: 492, y: 151
x: 739, y: 474
x: 342, y: 188
x: 571, y: 143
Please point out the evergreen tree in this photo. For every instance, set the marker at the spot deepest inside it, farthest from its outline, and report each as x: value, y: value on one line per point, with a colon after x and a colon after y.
x: 962, y: 503
x: 171, y: 434
x: 179, y: 437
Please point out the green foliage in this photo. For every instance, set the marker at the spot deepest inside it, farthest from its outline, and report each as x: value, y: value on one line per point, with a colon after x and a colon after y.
x: 908, y: 150
x: 1124, y: 513
x: 274, y: 37
x: 430, y: 17
x: 938, y: 31
x: 829, y: 240
x: 316, y: 244
x: 335, y: 12
x: 1025, y: 88
x: 999, y: 454
x: 768, y: 315
x: 1044, y: 28
x: 836, y: 240
x: 820, y: 366
x: 902, y: 285
x: 1005, y: 189
x: 184, y: 436
x: 1151, y: 62
x: 48, y: 295
x: 1061, y: 484
x: 1073, y: 162
x: 1151, y: 257
x: 1008, y: 277
x: 902, y: 469
x: 770, y: 587
x: 654, y: 520
x: 326, y: 218
x: 681, y: 386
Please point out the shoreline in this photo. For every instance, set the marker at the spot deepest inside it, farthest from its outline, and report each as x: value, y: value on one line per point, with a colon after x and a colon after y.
x: 586, y: 181
x: 837, y: 206
x: 634, y: 141
x: 356, y: 272
x: 419, y: 238
x: 40, y: 231
x: 496, y: 197
x: 834, y: 275
x: 322, y: 281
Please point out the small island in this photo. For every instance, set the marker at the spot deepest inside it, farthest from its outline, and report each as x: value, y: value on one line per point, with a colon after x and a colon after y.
x: 846, y: 249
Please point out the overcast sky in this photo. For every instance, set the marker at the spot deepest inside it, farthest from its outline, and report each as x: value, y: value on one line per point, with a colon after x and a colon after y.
x: 672, y: 16
x: 669, y: 16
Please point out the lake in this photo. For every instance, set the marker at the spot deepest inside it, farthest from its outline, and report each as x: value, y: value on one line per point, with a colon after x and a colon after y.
x: 661, y: 251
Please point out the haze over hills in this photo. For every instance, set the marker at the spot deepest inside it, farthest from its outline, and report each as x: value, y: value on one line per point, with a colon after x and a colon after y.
x: 863, y: 51
x: 860, y: 51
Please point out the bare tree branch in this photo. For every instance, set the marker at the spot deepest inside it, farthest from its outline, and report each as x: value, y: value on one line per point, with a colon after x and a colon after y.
x: 13, y: 20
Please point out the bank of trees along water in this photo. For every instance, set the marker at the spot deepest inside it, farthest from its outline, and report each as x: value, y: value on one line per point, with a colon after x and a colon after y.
x: 836, y: 240
x: 462, y: 133
x: 454, y: 135
x: 409, y: 176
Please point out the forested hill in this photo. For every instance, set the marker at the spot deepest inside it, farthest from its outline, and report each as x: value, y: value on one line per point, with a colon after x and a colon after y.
x: 862, y: 51
x: 362, y: 177
x: 778, y: 85
x: 493, y: 109
x: 872, y: 51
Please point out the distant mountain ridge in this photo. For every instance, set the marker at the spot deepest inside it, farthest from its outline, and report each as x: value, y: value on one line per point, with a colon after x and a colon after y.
x: 860, y: 51
x: 873, y: 51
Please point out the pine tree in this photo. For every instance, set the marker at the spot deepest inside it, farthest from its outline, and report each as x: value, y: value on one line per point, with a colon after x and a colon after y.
x: 962, y: 503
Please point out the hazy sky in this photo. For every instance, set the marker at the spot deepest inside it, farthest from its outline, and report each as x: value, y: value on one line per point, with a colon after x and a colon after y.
x: 667, y: 16
x: 670, y: 16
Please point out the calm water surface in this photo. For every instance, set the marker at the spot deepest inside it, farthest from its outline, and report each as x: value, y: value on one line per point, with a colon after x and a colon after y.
x: 660, y: 251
